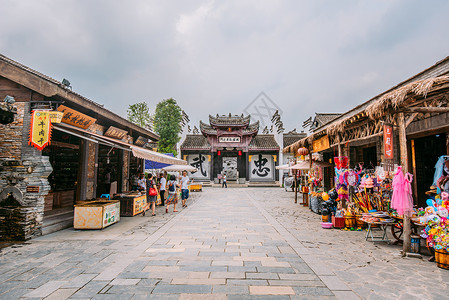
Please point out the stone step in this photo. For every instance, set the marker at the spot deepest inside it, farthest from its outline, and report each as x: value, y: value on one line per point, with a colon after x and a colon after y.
x: 58, y: 221
x: 57, y: 226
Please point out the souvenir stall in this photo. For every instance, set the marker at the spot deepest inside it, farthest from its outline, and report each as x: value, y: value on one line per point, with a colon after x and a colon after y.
x: 435, y: 216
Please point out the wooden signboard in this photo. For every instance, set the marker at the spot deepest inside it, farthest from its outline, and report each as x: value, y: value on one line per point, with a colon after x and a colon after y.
x: 115, y: 133
x: 56, y: 116
x: 388, y: 141
x: 32, y: 189
x: 141, y: 141
x: 321, y: 144
x: 75, y: 118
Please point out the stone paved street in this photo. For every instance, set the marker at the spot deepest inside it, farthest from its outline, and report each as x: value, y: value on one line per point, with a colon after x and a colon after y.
x: 251, y: 243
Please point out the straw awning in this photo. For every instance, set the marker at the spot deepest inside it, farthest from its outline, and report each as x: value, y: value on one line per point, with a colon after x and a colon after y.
x: 305, y: 165
x: 180, y: 168
x: 155, y: 156
x: 302, y: 165
x: 282, y: 167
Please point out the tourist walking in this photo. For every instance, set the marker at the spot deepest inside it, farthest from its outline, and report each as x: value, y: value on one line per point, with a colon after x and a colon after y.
x: 163, y: 187
x: 224, y: 182
x: 184, y: 188
x: 172, y: 196
x: 151, y: 194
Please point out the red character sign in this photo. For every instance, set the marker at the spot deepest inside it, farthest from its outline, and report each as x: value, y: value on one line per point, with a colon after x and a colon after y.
x: 388, y: 141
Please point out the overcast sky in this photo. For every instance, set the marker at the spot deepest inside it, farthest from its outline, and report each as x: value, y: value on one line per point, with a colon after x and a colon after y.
x: 218, y: 56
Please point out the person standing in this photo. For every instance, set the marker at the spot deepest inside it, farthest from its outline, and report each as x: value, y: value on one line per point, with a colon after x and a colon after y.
x: 224, y: 182
x: 162, y: 187
x: 141, y: 183
x: 184, y: 188
x: 134, y: 182
x: 172, y: 196
x: 151, y: 189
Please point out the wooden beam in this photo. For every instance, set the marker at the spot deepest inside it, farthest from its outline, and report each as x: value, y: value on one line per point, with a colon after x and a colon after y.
x: 410, y: 119
x: 360, y: 139
x: 426, y: 109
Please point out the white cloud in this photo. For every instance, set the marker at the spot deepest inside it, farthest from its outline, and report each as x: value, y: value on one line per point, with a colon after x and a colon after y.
x: 216, y: 56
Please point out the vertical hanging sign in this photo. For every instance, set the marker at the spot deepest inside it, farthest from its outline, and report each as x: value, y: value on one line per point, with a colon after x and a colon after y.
x: 40, y: 131
x: 388, y: 141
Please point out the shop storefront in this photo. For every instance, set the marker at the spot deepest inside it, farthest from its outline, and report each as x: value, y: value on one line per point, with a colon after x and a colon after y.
x: 61, y: 149
x: 390, y: 142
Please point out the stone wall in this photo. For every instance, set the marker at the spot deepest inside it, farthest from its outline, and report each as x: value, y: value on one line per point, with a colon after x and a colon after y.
x: 11, y: 135
x: 26, y: 169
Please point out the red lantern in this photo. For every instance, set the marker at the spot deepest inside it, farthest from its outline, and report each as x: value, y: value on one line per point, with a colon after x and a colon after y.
x: 303, y: 151
x: 218, y: 152
x: 240, y: 152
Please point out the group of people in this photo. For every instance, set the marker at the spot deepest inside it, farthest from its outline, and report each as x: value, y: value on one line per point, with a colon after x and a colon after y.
x: 167, y: 186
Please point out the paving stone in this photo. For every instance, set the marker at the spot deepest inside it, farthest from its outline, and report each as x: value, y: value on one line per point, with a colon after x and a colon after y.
x: 124, y: 281
x: 313, y: 291
x: 297, y: 282
x: 155, y: 296
x: 90, y: 289
x: 182, y: 288
x: 135, y: 275
x: 60, y: 294
x: 227, y: 263
x: 194, y: 268
x: 230, y: 289
x: 203, y: 297
x: 228, y: 275
x: 242, y: 269
x: 45, y: 290
x: 271, y: 290
x: 79, y: 281
x: 247, y: 282
x: 192, y: 281
x: 261, y: 275
x: 258, y: 297
x: 275, y: 270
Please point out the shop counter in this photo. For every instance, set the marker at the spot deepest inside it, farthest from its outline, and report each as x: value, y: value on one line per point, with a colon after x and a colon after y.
x: 131, y: 204
x: 96, y: 214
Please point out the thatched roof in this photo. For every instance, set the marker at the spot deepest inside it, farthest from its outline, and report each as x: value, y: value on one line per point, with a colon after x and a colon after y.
x: 394, y: 99
x: 420, y: 85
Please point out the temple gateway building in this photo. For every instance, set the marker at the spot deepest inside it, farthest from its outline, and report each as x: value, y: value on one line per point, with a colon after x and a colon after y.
x: 231, y: 145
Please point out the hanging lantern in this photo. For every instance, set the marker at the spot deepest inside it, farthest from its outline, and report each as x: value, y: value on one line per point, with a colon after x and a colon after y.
x: 302, y: 152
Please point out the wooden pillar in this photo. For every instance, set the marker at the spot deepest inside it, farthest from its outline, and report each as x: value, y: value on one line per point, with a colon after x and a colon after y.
x: 404, y: 163
x: 447, y: 143
x: 339, y: 146
x: 296, y: 186
x: 415, y: 183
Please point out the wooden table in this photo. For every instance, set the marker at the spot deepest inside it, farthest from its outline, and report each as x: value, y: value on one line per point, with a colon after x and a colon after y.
x: 382, y: 227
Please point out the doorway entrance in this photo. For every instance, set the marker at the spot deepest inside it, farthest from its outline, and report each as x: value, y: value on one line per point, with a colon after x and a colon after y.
x: 230, y: 168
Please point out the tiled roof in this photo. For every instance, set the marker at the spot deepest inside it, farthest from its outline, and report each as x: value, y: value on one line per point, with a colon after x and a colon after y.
x: 207, y: 129
x: 252, y: 128
x: 195, y: 141
x: 229, y: 120
x: 289, y: 139
x: 263, y: 142
x: 323, y: 118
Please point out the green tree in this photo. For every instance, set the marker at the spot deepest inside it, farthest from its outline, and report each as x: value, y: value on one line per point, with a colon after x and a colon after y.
x: 139, y: 114
x: 167, y: 124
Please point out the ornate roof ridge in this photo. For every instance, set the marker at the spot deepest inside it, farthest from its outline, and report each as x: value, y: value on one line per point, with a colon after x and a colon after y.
x: 229, y: 120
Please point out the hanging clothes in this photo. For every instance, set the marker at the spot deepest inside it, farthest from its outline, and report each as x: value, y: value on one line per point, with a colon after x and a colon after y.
x: 402, y: 199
